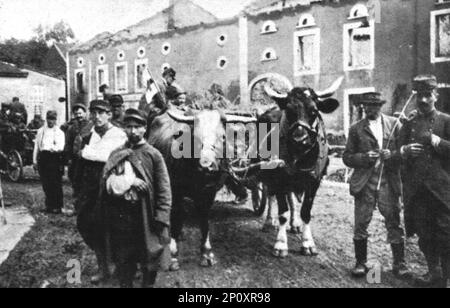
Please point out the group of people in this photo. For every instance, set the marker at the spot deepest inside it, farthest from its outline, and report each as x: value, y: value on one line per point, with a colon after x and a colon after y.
x: 406, y: 157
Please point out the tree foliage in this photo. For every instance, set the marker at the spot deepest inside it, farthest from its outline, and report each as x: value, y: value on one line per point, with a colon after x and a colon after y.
x: 32, y: 52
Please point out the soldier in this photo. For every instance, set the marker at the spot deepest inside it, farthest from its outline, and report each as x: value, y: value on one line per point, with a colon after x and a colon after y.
x: 78, y: 124
x: 18, y: 112
x: 105, y: 90
x: 96, y: 147
x: 425, y: 148
x: 366, y: 152
x: 36, y: 123
x: 116, y: 102
x: 136, y: 197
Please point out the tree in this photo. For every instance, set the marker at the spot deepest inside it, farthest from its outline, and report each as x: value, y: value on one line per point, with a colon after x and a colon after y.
x: 61, y: 32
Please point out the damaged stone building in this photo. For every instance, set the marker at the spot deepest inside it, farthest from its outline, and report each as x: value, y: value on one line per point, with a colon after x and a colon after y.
x: 375, y: 45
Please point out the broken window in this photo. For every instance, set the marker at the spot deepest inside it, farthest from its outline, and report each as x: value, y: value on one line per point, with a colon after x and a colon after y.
x: 121, y: 78
x: 443, y: 36
x: 359, y: 46
x: 307, y: 54
x: 79, y: 82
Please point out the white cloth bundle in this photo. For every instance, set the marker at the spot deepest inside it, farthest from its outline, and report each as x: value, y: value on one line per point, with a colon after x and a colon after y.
x: 120, y: 182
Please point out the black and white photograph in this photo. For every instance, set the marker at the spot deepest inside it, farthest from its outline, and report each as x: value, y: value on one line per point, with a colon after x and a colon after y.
x: 246, y: 146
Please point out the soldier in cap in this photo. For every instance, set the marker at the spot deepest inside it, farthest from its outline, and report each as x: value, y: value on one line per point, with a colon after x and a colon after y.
x: 425, y: 147
x: 36, y: 123
x: 77, y: 125
x: 117, y: 109
x: 136, y: 201
x: 18, y: 114
x: 96, y: 146
x: 47, y: 157
x: 106, y: 91
x: 368, y: 148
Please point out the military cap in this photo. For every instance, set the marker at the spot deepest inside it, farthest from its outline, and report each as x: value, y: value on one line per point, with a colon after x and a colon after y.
x: 425, y: 83
x: 170, y: 72
x: 100, y: 105
x: 135, y: 115
x: 52, y: 115
x: 371, y: 98
x: 103, y: 87
x: 79, y: 106
x: 116, y: 100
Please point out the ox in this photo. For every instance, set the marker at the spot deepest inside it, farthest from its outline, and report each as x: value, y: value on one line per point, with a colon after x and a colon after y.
x: 304, y: 150
x: 197, y: 177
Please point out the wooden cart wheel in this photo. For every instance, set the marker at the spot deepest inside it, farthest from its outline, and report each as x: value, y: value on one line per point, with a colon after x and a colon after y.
x: 14, y: 167
x: 259, y: 198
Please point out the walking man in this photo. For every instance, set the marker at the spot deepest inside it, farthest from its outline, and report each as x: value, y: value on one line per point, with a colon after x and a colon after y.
x: 425, y: 148
x: 96, y: 147
x: 136, y: 202
x: 367, y: 150
x: 47, y: 157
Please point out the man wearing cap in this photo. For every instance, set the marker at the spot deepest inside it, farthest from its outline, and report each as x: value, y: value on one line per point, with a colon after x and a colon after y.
x: 152, y: 103
x: 36, y: 123
x: 116, y: 102
x: 47, y: 157
x: 95, y: 149
x: 78, y: 123
x: 18, y: 112
x: 425, y: 148
x: 136, y: 201
x: 369, y: 147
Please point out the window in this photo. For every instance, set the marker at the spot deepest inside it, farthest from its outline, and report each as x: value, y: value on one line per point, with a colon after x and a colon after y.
x: 269, y: 27
x: 359, y: 11
x: 269, y: 54
x: 121, y: 55
x: 102, y: 77
x: 306, y: 20
x: 80, y: 62
x: 141, y: 52
x: 166, y: 48
x: 121, y: 77
x: 222, y: 39
x: 222, y: 63
x: 37, y: 98
x: 140, y: 67
x: 307, y: 52
x: 79, y: 81
x: 359, y: 46
x: 440, y: 36
x: 101, y: 59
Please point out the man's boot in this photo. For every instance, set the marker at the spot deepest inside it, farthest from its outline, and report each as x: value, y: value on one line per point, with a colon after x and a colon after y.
x: 361, y: 268
x: 103, y: 274
x: 148, y: 279
x: 399, y: 269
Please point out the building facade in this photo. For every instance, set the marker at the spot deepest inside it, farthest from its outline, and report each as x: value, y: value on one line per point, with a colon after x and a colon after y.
x: 375, y: 45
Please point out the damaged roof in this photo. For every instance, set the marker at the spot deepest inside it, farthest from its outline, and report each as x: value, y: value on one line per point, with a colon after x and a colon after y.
x: 185, y: 13
x: 268, y: 6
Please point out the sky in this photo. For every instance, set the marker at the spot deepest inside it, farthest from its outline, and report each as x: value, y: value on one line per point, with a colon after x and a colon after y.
x: 87, y: 18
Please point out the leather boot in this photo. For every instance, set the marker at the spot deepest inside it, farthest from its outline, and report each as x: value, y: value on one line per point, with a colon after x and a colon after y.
x: 433, y: 278
x: 149, y: 279
x: 361, y: 268
x: 400, y: 269
x: 103, y: 274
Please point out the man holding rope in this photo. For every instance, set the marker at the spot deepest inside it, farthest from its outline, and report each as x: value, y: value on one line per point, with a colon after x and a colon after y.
x: 371, y: 151
x: 425, y: 147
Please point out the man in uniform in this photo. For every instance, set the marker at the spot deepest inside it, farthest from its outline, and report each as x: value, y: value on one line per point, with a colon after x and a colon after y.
x: 36, y: 123
x: 78, y: 124
x: 18, y: 112
x: 425, y: 147
x: 136, y: 203
x: 116, y: 102
x: 368, y: 149
x: 96, y: 147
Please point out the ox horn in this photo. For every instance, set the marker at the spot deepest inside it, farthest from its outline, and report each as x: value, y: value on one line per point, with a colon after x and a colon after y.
x: 331, y: 90
x: 239, y: 119
x: 180, y: 117
x: 273, y: 93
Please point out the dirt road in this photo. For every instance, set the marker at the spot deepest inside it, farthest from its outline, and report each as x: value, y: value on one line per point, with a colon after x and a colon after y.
x: 243, y: 251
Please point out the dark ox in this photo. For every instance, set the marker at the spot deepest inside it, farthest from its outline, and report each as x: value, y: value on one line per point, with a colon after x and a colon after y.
x: 199, y: 177
x: 304, y: 150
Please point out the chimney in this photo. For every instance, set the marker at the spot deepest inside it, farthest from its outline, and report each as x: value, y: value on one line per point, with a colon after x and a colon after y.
x: 171, y: 16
